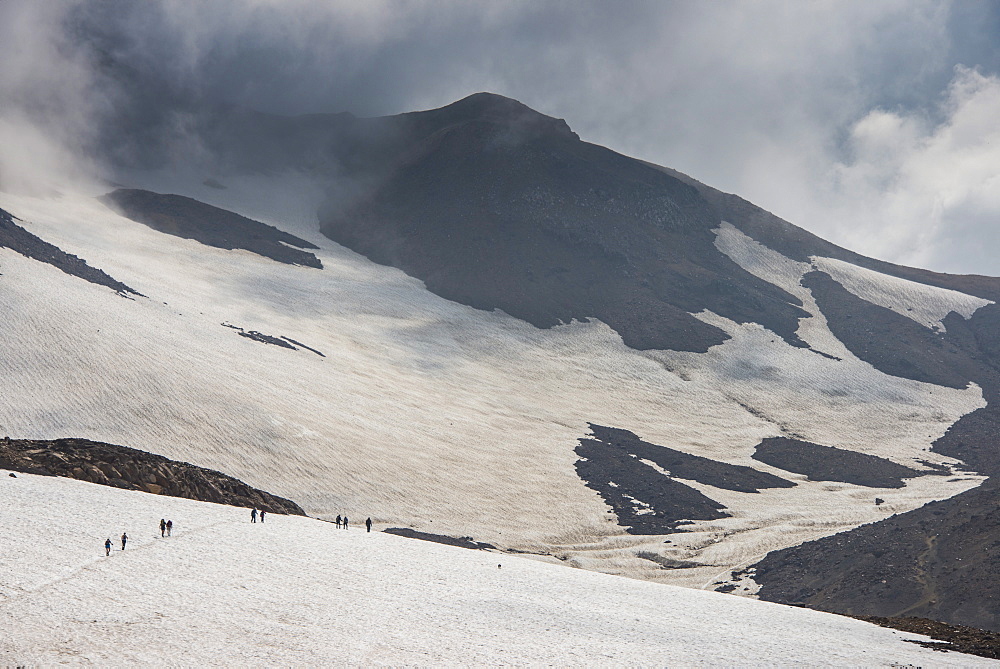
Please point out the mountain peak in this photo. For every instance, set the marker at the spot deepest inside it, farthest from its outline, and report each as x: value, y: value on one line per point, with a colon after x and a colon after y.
x: 496, y: 108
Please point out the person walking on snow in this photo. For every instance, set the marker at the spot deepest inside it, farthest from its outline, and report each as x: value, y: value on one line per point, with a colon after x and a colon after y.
x: 163, y: 527
x: 345, y: 522
x: 253, y: 516
x: 124, y: 539
x: 107, y: 546
x: 170, y: 526
x: 262, y: 512
x: 338, y: 521
x: 368, y: 524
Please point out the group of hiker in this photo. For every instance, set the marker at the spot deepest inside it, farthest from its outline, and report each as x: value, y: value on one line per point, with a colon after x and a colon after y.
x: 107, y: 544
x: 343, y: 522
x: 166, y: 526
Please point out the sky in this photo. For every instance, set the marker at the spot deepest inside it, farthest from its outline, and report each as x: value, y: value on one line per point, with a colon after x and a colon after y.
x: 873, y: 124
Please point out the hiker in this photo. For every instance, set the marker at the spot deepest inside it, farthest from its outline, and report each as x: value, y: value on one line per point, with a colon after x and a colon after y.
x: 253, y: 516
x: 124, y: 539
x: 368, y: 524
x: 338, y: 520
x: 170, y: 527
x: 345, y: 522
x: 262, y: 512
x: 107, y: 546
x: 163, y: 527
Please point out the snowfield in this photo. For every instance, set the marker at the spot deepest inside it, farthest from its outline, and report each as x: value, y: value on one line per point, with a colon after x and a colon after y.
x: 430, y: 414
x: 297, y: 591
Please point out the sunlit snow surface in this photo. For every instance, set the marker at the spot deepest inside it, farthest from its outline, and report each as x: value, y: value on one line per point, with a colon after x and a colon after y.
x: 927, y: 305
x: 300, y: 592
x: 427, y: 413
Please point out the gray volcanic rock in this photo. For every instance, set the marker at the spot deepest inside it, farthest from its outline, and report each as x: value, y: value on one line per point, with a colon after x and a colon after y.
x: 646, y: 501
x: 826, y: 463
x: 498, y: 207
x: 939, y: 561
x: 686, y: 466
x: 191, y: 219
x: 16, y: 238
x: 461, y: 542
x: 123, y: 467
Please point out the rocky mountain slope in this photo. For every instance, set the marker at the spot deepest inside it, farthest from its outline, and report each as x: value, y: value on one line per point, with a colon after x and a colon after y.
x: 513, y: 336
x: 131, y: 469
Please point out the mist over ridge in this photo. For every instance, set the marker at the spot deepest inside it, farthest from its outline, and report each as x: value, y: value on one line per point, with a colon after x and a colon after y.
x: 867, y: 124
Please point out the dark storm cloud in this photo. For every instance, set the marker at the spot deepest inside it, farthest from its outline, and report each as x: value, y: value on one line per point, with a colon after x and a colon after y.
x: 834, y: 115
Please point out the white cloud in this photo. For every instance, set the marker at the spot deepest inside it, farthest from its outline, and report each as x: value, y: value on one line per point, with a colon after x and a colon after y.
x: 829, y: 114
x: 921, y: 191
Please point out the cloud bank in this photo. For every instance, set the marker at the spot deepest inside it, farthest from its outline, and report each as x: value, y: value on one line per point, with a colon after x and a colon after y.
x: 870, y: 124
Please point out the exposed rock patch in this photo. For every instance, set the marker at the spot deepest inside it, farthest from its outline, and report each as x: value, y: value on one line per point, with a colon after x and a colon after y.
x: 890, y: 342
x: 496, y: 206
x: 826, y: 463
x: 957, y: 638
x: 643, y: 500
x: 283, y: 342
x: 132, y: 469
x: 462, y: 542
x: 940, y: 561
x: 665, y: 562
x: 183, y: 217
x: 16, y: 238
x: 686, y: 466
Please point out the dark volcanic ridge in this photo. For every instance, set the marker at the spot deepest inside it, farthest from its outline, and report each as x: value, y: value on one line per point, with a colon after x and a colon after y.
x: 957, y: 638
x: 184, y: 217
x: 282, y: 341
x: 461, y: 542
x: 496, y: 206
x: 19, y: 240
x: 646, y: 501
x: 686, y: 466
x: 941, y: 561
x: 826, y: 463
x: 132, y: 469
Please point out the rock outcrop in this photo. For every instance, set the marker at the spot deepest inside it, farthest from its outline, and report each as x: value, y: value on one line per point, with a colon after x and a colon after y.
x: 132, y: 469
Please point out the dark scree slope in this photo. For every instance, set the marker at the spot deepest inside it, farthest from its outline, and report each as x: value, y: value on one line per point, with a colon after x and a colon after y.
x: 132, y: 469
x: 647, y: 501
x: 16, y: 238
x: 183, y: 217
x: 826, y: 463
x: 496, y: 206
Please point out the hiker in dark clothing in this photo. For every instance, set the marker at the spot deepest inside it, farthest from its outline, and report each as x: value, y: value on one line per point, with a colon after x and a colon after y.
x: 107, y: 546
x: 253, y: 516
x: 345, y: 522
x: 368, y: 524
x: 170, y: 527
x: 163, y: 527
x: 262, y: 512
x: 124, y: 539
x: 338, y: 520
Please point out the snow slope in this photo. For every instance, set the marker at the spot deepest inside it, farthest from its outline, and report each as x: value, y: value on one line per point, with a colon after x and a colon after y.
x: 426, y: 413
x: 298, y: 591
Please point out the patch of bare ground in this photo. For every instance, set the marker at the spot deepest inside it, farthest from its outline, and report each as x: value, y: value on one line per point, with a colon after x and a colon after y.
x: 958, y: 638
x: 132, y: 469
